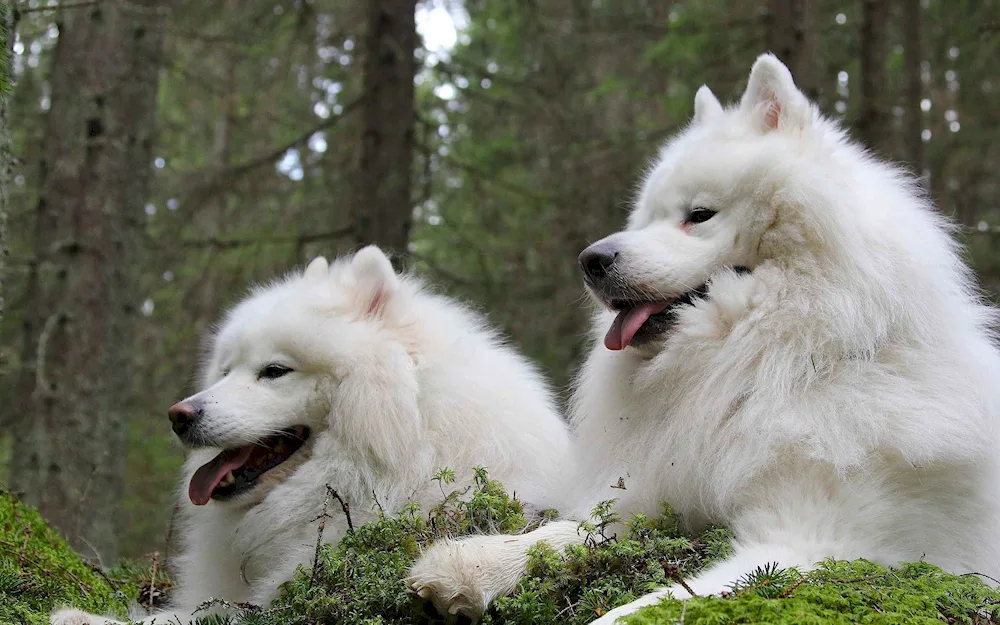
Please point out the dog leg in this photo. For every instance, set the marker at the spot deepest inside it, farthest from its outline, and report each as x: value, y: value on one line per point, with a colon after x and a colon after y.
x: 464, y: 576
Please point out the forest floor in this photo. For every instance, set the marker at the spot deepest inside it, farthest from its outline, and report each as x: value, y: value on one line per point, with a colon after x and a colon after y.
x: 360, y: 580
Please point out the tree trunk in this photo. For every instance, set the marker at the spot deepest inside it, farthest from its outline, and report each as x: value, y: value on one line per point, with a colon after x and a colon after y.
x: 6, y: 157
x: 912, y: 53
x: 791, y: 41
x: 94, y: 179
x: 381, y: 198
x: 871, y: 123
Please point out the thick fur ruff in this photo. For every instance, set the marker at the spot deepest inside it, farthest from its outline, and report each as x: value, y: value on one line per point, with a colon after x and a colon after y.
x: 839, y: 400
x: 394, y: 382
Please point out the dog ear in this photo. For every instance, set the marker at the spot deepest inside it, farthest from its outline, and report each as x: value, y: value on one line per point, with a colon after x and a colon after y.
x: 706, y: 105
x: 772, y: 100
x: 375, y: 409
x: 318, y: 268
x: 376, y: 279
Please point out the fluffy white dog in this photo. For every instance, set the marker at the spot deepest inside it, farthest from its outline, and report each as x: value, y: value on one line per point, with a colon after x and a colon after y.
x: 350, y: 376
x: 792, y: 348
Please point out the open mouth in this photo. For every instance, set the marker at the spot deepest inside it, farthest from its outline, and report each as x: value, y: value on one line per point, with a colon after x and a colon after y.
x: 640, y: 322
x: 236, y: 470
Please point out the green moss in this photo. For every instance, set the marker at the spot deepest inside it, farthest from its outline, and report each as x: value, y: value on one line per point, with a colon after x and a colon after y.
x: 39, y: 571
x: 360, y: 580
x: 841, y: 593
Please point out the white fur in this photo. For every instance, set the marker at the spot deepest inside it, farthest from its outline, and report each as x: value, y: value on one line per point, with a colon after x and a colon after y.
x: 839, y: 401
x: 395, y: 383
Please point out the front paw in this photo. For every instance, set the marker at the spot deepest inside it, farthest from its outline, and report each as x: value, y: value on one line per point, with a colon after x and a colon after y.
x: 453, y: 576
x: 71, y: 616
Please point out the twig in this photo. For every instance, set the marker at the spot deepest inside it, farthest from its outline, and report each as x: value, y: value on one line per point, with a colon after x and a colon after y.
x: 111, y: 582
x: 377, y: 504
x: 152, y: 580
x: 992, y: 579
x: 319, y: 535
x: 788, y: 591
x: 345, y: 506
x: 278, y: 152
x: 567, y: 608
x: 41, y: 567
x: 674, y: 574
x: 684, y: 585
x: 97, y: 554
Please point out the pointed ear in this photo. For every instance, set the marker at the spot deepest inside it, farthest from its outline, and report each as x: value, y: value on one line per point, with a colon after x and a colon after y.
x: 706, y: 105
x: 318, y: 268
x: 772, y: 100
x: 376, y: 279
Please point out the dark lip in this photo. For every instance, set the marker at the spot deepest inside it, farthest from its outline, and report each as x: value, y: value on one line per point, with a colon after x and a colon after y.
x: 246, y: 478
x: 662, y: 322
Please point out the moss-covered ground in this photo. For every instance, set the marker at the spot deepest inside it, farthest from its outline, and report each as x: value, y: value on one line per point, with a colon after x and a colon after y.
x: 360, y: 580
x: 38, y: 570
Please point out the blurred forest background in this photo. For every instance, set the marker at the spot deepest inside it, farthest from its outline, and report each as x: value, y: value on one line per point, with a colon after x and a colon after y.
x: 164, y: 155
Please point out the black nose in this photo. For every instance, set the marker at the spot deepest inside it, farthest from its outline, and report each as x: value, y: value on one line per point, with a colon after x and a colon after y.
x: 597, y: 259
x: 182, y: 417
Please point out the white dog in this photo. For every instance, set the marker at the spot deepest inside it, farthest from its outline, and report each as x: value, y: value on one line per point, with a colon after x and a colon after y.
x: 792, y: 348
x: 349, y: 376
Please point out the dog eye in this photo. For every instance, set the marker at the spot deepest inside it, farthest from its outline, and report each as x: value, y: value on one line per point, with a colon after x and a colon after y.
x: 700, y: 215
x: 273, y: 371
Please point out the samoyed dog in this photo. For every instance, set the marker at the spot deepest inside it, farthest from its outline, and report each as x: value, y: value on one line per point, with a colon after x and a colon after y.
x: 351, y: 376
x: 792, y: 347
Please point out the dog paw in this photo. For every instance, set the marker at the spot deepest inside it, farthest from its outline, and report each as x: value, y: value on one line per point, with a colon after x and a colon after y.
x: 453, y: 576
x: 79, y: 617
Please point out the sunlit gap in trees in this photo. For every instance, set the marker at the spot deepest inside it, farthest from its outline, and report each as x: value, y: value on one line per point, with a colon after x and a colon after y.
x: 439, y: 24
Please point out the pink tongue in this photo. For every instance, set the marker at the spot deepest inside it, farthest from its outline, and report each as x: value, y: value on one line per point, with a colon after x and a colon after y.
x: 628, y: 322
x: 208, y: 476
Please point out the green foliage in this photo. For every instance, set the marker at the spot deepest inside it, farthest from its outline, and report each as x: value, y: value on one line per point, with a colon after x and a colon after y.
x: 39, y: 571
x: 840, y: 593
x: 361, y: 580
x: 768, y: 581
x: 586, y: 581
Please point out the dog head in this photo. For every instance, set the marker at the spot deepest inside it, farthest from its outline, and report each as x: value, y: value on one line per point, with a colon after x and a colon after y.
x: 320, y: 354
x: 706, y: 205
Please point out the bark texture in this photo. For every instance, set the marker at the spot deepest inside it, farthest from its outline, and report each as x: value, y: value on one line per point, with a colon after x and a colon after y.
x: 382, y: 208
x: 912, y: 58
x: 872, y: 116
x: 94, y: 178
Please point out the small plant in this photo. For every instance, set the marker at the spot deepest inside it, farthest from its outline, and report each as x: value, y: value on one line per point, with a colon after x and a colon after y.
x: 767, y: 581
x: 360, y: 581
